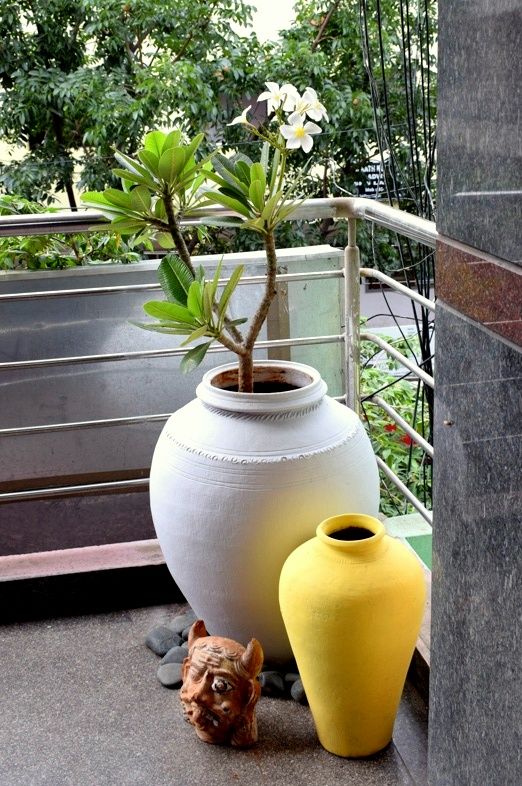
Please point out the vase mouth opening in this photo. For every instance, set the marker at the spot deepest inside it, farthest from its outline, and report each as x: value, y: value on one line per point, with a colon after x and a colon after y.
x: 268, y: 379
x: 351, y: 531
x: 280, y: 386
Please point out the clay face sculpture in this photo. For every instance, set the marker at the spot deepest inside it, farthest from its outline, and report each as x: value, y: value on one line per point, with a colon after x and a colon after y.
x: 220, y: 689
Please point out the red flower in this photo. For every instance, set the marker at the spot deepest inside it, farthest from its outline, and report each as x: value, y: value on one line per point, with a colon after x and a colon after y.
x: 390, y: 427
x: 406, y: 439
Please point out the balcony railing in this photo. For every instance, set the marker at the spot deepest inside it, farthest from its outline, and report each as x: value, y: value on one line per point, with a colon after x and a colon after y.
x: 348, y: 209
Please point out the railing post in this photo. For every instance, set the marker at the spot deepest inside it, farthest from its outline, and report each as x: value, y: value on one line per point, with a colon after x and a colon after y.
x: 352, y: 312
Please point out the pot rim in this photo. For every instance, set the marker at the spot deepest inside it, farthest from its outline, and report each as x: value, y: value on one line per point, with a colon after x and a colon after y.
x: 280, y: 401
x: 346, y: 520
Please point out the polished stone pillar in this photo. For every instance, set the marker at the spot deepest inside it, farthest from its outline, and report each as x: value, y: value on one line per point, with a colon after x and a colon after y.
x: 475, y: 691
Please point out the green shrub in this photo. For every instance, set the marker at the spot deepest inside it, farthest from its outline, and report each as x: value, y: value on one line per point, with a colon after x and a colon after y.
x: 396, y: 448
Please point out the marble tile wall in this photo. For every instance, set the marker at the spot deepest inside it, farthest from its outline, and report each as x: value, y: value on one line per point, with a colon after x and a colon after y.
x: 475, y: 688
x: 475, y: 694
x: 479, y: 120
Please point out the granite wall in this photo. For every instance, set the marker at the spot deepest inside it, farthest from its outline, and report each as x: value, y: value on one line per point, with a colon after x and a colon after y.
x: 475, y: 691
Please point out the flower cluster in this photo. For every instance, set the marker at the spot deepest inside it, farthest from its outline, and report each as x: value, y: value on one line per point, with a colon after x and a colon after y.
x: 297, y: 130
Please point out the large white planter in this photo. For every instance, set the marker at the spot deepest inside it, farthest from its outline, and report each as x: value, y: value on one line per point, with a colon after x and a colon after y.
x: 239, y: 480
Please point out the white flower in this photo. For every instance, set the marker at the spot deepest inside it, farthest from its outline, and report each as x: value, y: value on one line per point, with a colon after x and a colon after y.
x: 310, y: 105
x: 276, y: 96
x: 298, y: 133
x: 242, y: 118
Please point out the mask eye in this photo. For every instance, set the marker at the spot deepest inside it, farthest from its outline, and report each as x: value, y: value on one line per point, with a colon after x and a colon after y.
x: 219, y: 685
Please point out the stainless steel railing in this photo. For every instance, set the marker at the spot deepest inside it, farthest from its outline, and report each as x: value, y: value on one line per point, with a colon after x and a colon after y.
x: 349, y: 209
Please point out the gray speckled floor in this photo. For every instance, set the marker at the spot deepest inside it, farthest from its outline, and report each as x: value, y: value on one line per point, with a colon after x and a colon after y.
x: 81, y: 706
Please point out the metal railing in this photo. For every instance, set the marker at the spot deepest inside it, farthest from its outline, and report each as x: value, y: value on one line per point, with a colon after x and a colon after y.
x: 350, y: 209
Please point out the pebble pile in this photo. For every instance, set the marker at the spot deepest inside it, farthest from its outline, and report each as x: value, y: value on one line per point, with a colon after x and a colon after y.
x: 169, y: 641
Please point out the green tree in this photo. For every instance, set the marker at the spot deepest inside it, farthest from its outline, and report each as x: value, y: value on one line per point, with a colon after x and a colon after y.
x: 80, y: 77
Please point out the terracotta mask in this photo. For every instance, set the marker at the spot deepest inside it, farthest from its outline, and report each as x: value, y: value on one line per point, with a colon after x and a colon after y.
x: 220, y: 688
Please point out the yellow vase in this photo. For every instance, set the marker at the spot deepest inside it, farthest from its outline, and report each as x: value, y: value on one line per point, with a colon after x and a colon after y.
x: 352, y: 600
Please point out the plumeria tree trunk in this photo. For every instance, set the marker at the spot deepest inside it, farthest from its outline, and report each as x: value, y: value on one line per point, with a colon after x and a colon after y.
x: 246, y: 363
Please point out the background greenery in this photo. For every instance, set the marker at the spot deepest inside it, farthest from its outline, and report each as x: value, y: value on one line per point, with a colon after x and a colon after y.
x: 82, y: 77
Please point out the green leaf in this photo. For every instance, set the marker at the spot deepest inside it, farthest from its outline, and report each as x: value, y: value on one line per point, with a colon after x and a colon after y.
x: 224, y: 221
x: 214, y: 283
x: 171, y: 164
x: 119, y: 198
x: 162, y: 327
x: 128, y: 226
x: 226, y: 201
x: 154, y: 142
x: 132, y: 178
x: 175, y: 279
x: 229, y: 289
x: 191, y: 148
x: 275, y: 166
x: 258, y: 173
x: 159, y: 209
x: 140, y: 199
x: 169, y: 311
x: 132, y: 165
x: 165, y: 240
x: 194, y: 357
x: 194, y: 299
x: 242, y: 171
x: 208, y: 301
x: 172, y: 139
x: 270, y: 205
x: 199, y: 333
x: 257, y: 194
x: 94, y: 198
x: 265, y: 152
x: 228, y: 183
x: 150, y: 160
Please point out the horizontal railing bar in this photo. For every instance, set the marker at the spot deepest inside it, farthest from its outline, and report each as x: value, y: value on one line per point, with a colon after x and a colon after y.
x: 156, y: 353
x: 56, y: 293
x: 368, y: 272
x: 417, y: 504
x: 79, y: 424
x: 336, y: 207
x: 60, y: 491
x: 119, y: 485
x: 418, y: 438
x: 414, y: 227
x: 404, y: 361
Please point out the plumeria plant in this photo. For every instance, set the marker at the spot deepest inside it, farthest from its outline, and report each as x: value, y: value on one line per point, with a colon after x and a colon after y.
x: 166, y: 184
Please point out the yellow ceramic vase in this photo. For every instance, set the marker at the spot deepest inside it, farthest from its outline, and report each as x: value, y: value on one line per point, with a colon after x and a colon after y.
x: 352, y: 600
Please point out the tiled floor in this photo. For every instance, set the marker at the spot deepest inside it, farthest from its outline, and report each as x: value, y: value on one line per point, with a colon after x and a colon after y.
x: 81, y: 706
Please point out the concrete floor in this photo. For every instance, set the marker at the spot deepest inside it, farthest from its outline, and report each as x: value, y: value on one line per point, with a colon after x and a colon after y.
x: 81, y: 706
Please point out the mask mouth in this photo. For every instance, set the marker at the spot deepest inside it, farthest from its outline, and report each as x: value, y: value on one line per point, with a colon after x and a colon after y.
x: 204, y: 718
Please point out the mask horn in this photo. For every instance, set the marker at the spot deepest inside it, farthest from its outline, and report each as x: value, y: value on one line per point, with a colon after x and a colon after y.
x: 196, y: 632
x: 252, y: 659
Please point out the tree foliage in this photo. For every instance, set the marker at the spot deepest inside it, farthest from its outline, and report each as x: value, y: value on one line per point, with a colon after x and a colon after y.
x: 80, y: 77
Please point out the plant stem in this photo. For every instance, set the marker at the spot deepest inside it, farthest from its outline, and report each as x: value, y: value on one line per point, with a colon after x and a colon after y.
x: 175, y: 232
x: 230, y: 344
x: 245, y: 382
x: 246, y: 365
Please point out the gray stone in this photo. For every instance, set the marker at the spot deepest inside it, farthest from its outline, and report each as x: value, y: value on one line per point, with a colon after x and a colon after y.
x: 290, y: 677
x: 297, y: 692
x: 185, y: 632
x: 176, y: 654
x: 161, y: 639
x: 182, y: 621
x: 169, y: 674
x: 272, y: 684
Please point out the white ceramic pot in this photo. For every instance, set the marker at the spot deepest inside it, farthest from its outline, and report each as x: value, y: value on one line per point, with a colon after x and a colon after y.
x: 239, y: 480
